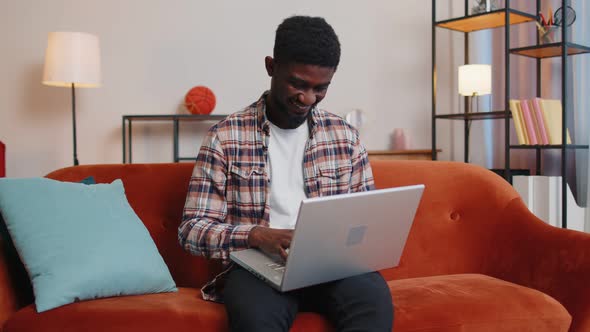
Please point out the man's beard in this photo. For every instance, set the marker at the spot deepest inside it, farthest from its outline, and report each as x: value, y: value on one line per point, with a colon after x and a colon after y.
x: 295, y: 121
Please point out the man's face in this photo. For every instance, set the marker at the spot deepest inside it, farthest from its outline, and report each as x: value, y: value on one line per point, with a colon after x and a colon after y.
x: 295, y: 89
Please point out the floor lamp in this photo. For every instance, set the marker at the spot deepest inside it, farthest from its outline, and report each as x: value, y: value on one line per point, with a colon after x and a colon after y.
x: 72, y: 59
x: 474, y: 81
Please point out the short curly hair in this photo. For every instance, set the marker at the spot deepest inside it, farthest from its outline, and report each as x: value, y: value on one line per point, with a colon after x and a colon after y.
x: 307, y: 40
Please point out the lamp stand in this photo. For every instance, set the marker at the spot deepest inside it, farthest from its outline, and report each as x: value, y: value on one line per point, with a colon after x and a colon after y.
x: 76, y: 163
x: 468, y: 110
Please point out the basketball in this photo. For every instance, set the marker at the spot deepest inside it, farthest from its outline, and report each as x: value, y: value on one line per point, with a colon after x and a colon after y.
x: 200, y: 100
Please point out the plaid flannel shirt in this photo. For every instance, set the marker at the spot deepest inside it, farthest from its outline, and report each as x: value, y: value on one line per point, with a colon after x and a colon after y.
x: 229, y: 188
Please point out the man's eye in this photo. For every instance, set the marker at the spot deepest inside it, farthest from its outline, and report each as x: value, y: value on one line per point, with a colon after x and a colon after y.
x: 298, y: 85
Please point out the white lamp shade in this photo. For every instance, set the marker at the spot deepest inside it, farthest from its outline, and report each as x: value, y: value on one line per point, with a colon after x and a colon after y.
x: 475, y: 80
x: 72, y: 57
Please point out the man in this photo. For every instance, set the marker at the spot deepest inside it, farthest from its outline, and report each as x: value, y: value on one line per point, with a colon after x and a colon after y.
x: 252, y: 172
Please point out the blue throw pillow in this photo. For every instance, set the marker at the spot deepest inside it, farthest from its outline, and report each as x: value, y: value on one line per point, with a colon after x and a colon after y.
x: 88, y: 180
x: 11, y: 256
x: 80, y: 242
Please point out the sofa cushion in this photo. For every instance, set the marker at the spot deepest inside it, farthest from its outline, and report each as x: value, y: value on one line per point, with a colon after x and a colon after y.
x: 182, y: 311
x: 467, y: 302
x: 157, y: 193
x: 473, y: 302
x: 80, y: 242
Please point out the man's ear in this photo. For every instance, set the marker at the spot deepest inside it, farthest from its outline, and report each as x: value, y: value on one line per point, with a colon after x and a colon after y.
x: 269, y: 63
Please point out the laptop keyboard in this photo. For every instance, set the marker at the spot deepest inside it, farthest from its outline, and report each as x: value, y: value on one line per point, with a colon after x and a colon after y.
x: 278, y: 267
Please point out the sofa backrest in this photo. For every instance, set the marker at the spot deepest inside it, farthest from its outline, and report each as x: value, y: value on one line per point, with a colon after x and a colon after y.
x: 455, y: 228
x: 460, y: 201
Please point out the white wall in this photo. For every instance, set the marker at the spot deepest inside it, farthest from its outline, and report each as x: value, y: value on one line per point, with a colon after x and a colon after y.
x: 154, y: 51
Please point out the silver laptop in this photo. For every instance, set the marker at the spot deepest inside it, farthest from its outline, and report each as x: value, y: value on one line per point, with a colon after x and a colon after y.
x: 338, y: 237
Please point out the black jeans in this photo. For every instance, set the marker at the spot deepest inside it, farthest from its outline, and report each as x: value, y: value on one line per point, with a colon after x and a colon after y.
x: 361, y: 303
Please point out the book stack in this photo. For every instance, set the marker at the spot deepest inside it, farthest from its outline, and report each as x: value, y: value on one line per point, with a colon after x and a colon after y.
x: 537, y: 121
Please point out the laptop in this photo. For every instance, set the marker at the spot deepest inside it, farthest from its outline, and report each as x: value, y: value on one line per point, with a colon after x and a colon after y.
x: 339, y: 236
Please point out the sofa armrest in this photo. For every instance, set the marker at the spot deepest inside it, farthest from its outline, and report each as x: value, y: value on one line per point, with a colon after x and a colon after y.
x: 552, y: 260
x: 471, y: 220
x: 8, y: 299
x: 15, y: 290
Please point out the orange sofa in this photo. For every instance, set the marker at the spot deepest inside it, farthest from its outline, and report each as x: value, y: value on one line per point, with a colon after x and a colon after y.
x: 476, y: 260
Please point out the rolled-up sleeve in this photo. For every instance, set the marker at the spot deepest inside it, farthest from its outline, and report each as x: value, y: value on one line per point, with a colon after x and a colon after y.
x: 362, y: 174
x: 204, y: 230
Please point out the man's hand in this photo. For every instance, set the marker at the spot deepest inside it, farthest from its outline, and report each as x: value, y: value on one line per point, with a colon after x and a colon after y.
x: 271, y: 241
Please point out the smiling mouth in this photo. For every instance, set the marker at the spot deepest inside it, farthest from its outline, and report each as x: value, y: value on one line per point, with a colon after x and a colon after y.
x: 301, y: 108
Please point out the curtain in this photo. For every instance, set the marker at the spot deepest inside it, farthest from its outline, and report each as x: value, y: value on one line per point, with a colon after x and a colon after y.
x: 581, y: 102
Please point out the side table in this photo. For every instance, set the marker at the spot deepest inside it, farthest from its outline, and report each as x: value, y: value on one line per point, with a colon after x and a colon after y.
x: 175, y: 118
x: 401, y: 154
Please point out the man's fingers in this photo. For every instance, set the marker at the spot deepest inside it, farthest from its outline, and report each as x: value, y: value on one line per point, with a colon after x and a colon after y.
x: 283, y: 254
x: 286, y: 243
x: 287, y: 235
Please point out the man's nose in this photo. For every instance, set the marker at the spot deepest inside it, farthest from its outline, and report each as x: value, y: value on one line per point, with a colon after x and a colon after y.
x: 307, y: 98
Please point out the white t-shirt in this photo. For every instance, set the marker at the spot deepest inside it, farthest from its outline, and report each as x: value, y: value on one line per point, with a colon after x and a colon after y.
x: 285, y: 151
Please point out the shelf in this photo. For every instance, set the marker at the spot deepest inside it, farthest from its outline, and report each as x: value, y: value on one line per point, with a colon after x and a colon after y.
x: 175, y: 120
x: 474, y: 116
x: 549, y: 50
x: 415, y: 154
x: 189, y: 117
x: 552, y: 146
x: 489, y: 20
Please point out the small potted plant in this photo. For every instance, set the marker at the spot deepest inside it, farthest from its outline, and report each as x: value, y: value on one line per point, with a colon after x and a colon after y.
x: 482, y: 6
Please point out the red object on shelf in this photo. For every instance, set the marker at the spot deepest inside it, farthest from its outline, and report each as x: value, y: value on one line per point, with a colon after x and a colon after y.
x: 2, y: 160
x: 200, y: 100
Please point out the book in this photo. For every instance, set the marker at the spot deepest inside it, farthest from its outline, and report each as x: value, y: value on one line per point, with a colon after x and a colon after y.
x: 517, y: 122
x: 522, y: 124
x: 551, y: 109
x: 528, y: 121
x: 529, y: 105
x: 540, y: 120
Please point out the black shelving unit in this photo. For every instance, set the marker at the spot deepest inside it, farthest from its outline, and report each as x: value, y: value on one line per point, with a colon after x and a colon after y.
x: 505, y: 18
x: 469, y: 23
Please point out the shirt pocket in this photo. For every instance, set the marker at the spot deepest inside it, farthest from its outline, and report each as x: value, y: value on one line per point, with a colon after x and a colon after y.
x: 246, y: 189
x: 334, y: 178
